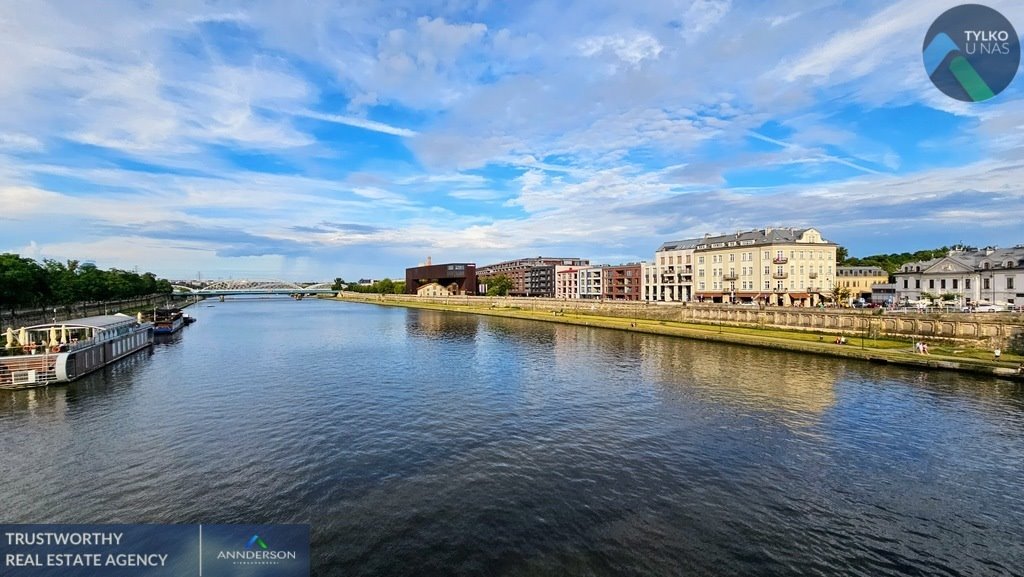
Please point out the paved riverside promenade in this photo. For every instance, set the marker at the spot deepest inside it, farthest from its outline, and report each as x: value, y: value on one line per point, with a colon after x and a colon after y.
x: 957, y: 341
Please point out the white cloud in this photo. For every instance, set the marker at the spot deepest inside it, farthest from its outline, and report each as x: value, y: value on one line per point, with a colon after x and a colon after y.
x: 631, y: 49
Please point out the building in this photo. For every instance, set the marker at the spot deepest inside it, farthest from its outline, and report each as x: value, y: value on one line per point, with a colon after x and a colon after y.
x: 622, y: 282
x: 670, y: 277
x: 567, y: 282
x: 781, y: 266
x: 965, y: 277
x: 433, y: 289
x: 860, y: 280
x: 516, y: 271
x: 540, y: 281
x: 461, y: 274
x: 589, y: 281
x: 883, y: 294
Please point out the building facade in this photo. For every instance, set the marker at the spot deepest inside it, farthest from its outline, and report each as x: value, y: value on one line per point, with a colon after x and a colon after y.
x: 860, y: 280
x: 590, y: 282
x: 435, y: 290
x: 622, y: 282
x: 516, y: 271
x: 966, y: 278
x: 777, y: 266
x: 540, y: 281
x: 460, y: 274
x: 670, y: 277
x: 567, y: 282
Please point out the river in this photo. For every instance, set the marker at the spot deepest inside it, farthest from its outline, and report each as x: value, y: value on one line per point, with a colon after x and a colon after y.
x: 433, y: 443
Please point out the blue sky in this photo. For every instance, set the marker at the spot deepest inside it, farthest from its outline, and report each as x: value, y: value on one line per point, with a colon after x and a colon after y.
x: 323, y: 139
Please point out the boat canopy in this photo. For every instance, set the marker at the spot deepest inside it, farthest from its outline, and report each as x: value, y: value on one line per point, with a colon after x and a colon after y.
x: 102, y: 322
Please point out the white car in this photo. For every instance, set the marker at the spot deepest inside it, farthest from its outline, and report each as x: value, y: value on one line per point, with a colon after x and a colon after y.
x: 989, y: 309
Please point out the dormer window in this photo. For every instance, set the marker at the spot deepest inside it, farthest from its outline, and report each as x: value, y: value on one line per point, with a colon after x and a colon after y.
x: 984, y: 265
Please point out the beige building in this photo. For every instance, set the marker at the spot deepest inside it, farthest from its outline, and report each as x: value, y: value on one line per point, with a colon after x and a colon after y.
x: 778, y: 266
x: 860, y: 279
x: 435, y: 290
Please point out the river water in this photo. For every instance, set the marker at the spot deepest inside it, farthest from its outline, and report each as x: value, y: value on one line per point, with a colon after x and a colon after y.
x: 432, y: 443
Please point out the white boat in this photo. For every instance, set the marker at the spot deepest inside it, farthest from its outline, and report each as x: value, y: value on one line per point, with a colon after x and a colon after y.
x: 63, y: 351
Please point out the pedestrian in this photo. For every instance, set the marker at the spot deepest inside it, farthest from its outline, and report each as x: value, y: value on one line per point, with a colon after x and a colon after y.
x: 996, y: 353
x: 924, y: 348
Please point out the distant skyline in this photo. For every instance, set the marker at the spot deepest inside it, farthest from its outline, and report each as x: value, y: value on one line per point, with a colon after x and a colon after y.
x: 327, y: 139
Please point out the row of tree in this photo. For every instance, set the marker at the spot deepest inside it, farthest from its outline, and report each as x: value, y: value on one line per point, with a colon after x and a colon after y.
x: 385, y: 286
x: 24, y: 283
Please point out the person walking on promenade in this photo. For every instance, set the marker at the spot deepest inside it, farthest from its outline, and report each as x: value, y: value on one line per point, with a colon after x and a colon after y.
x: 996, y: 354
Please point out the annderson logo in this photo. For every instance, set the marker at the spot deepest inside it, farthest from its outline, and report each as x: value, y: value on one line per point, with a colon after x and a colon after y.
x: 971, y: 52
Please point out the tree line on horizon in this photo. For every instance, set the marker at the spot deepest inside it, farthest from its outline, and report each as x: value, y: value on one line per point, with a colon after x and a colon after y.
x: 892, y: 262
x: 25, y: 283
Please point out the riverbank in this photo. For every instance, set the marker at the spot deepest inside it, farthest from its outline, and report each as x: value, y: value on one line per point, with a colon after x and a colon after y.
x: 878, y: 350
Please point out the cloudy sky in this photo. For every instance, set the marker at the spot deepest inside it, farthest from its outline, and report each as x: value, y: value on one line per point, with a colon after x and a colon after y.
x: 311, y: 140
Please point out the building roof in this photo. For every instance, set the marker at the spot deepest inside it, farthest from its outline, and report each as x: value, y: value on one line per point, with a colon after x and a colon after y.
x: 98, y: 322
x: 685, y: 244
x: 973, y: 259
x: 861, y: 271
x: 760, y: 237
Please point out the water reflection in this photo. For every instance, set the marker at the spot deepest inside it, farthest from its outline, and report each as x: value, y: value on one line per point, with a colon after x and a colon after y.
x: 800, y: 386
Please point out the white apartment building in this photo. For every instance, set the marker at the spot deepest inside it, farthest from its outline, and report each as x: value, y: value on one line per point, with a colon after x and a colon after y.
x: 670, y: 277
x: 589, y: 282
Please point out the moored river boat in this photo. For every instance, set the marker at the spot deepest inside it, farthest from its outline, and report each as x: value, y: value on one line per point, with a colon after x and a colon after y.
x: 63, y: 351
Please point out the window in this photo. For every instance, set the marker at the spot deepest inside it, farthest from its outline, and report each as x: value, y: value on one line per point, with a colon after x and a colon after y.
x: 1009, y: 282
x: 917, y: 283
x: 906, y: 282
x: 942, y: 284
x: 984, y: 284
x: 955, y: 283
x: 967, y: 284
x: 931, y: 283
x: 732, y: 257
x: 700, y: 260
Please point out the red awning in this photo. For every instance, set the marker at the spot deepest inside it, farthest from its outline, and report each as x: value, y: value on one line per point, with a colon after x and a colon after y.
x: 799, y: 296
x: 707, y: 295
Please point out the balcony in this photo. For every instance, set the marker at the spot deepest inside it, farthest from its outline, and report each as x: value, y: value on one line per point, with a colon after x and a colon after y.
x: 780, y: 275
x: 780, y: 260
x: 730, y: 276
x: 812, y: 275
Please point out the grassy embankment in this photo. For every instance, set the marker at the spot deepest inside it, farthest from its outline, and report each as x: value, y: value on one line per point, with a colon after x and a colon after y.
x: 891, y: 350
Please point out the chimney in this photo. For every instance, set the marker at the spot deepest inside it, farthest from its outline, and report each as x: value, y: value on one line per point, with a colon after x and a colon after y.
x: 428, y: 261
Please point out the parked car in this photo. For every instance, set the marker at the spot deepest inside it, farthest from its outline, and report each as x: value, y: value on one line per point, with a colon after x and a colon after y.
x: 989, y: 309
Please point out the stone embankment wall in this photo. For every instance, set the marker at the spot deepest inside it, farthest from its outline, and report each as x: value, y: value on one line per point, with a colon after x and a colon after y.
x: 985, y: 329
x: 29, y: 317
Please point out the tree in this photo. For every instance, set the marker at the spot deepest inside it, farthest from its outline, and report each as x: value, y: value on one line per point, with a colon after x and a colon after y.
x: 399, y: 287
x: 498, y: 285
x: 840, y: 294
x: 842, y: 254
x: 23, y: 283
x: 339, y: 284
x: 930, y: 297
x: 385, y: 286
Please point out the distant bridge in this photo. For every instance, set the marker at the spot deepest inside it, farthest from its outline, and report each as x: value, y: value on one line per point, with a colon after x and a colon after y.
x: 255, y: 287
